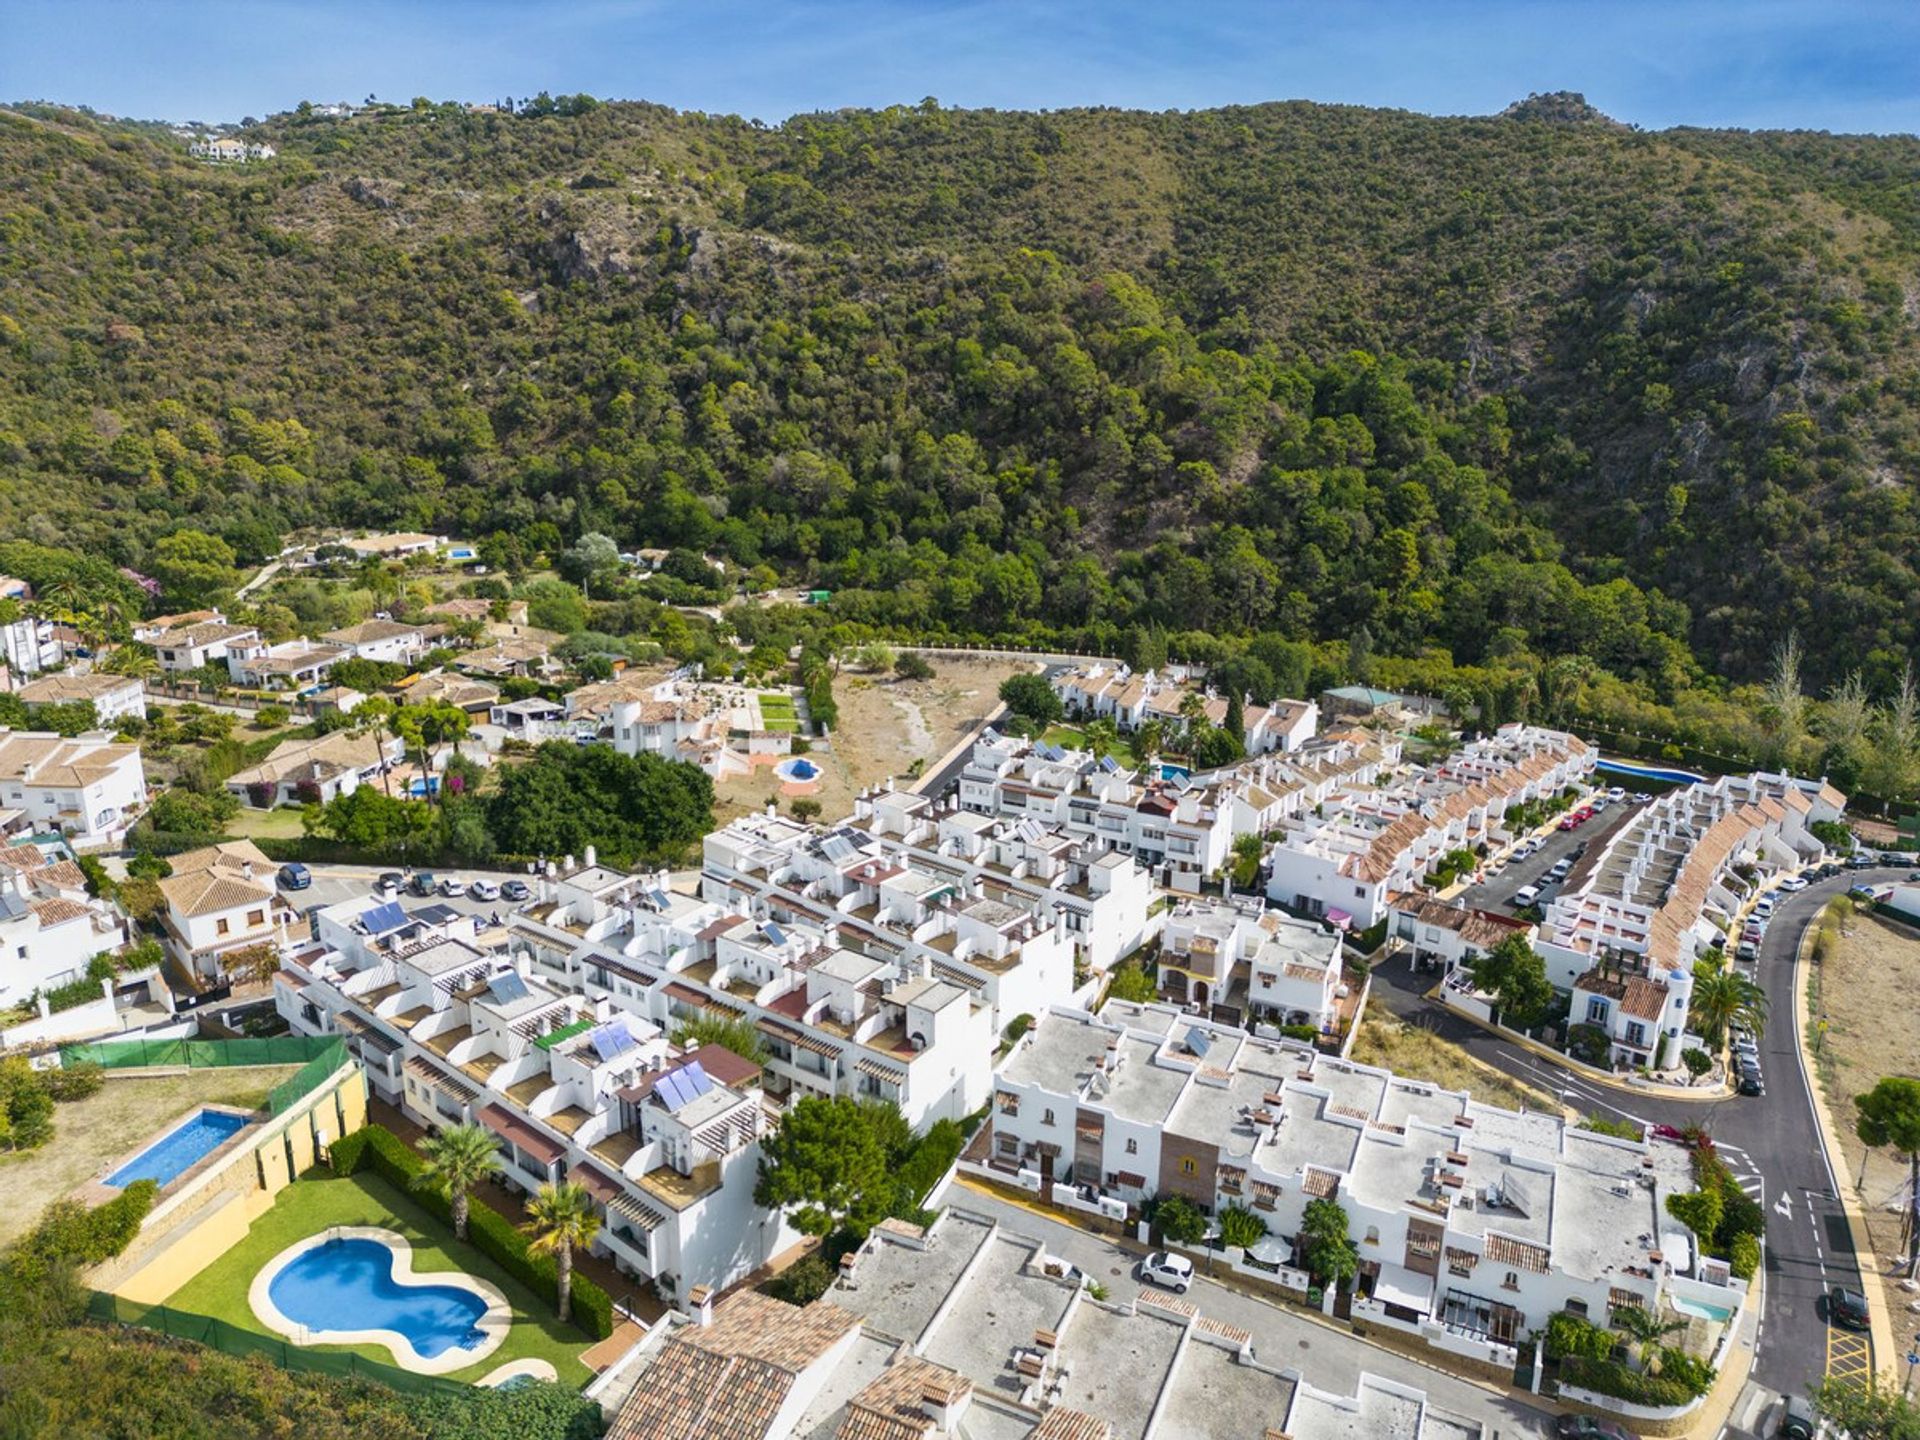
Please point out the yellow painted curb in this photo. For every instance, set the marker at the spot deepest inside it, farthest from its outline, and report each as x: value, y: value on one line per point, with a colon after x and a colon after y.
x: 1879, y: 1315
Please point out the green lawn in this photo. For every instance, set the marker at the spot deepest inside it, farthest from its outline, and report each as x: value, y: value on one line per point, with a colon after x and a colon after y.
x: 777, y: 712
x: 1067, y: 737
x: 309, y: 1206
x: 281, y: 824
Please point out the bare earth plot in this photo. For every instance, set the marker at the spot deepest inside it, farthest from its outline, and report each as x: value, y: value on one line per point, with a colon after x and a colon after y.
x: 885, y: 725
x: 1866, y: 992
x: 1419, y: 1054
x: 89, y: 1133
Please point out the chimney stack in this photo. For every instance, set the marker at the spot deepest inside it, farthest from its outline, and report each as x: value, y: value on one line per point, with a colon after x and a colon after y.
x: 700, y: 1301
x: 944, y: 1401
x: 590, y: 857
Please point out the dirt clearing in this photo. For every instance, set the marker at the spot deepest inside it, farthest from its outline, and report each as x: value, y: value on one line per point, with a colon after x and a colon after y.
x: 886, y: 725
x: 1419, y: 1054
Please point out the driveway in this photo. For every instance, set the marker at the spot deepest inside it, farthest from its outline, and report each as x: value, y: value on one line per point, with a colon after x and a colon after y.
x: 1329, y: 1359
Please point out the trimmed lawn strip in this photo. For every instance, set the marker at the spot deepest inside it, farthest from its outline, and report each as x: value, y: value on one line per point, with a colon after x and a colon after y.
x: 310, y: 1205
x: 89, y: 1133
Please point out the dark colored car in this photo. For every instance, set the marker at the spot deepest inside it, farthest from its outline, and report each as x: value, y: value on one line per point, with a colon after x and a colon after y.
x: 390, y: 882
x: 1751, y: 1084
x: 422, y: 885
x: 1847, y: 1308
x: 1798, y: 1421
x: 1587, y: 1427
x: 515, y: 890
x: 295, y: 876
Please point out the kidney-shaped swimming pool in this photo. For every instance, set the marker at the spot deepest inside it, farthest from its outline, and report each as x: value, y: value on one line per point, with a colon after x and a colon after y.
x: 360, y: 1287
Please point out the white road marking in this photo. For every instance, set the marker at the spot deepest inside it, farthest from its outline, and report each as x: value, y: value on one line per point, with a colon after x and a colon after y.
x: 1784, y: 1205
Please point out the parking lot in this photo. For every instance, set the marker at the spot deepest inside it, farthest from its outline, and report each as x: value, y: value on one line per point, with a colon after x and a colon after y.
x: 333, y: 884
x: 1496, y: 891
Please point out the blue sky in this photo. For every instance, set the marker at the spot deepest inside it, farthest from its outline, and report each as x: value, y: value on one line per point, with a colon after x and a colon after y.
x: 1810, y: 64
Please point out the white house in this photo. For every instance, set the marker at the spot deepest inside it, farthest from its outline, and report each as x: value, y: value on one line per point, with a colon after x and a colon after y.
x: 315, y: 771
x: 294, y: 665
x: 209, y: 642
x: 220, y: 899
x: 113, y: 697
x: 386, y: 640
x: 49, y: 926
x: 29, y: 645
x: 88, y: 787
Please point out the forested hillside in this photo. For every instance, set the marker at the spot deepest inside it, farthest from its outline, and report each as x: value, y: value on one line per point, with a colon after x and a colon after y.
x: 1528, y: 386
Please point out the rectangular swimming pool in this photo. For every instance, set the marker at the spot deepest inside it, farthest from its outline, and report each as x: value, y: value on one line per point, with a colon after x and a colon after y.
x: 188, y: 1143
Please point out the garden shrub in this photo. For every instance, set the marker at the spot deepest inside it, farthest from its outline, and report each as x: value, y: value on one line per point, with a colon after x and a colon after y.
x: 801, y: 1283
x: 73, y: 1082
x: 1610, y: 1377
x: 931, y: 1157
x: 1745, y: 1259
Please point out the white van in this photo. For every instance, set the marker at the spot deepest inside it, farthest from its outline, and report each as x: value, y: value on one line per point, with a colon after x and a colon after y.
x: 1526, y: 895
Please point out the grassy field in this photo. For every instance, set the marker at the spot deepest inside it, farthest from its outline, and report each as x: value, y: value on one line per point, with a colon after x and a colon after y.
x: 281, y: 824
x: 1422, y: 1055
x: 90, y: 1133
x: 310, y: 1205
x: 777, y: 712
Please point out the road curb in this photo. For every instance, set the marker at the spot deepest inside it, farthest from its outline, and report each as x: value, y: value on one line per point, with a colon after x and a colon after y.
x: 1685, y: 1094
x: 1879, y: 1313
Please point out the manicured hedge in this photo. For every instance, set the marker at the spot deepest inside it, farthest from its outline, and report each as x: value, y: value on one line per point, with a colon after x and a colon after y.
x: 1610, y: 1377
x: 377, y: 1148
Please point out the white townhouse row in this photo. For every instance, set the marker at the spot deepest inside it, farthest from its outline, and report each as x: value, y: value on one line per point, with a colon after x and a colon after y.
x: 835, y: 1014
x: 30, y: 644
x: 1349, y: 856
x: 88, y: 787
x: 1474, y: 1224
x: 1101, y: 896
x: 1235, y: 960
x: 665, y: 1138
x: 50, y: 928
x: 1625, y: 927
x: 1115, y: 692
x: 1180, y: 826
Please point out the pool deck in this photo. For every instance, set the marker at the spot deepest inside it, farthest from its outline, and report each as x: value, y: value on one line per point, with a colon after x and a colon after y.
x: 493, y: 1325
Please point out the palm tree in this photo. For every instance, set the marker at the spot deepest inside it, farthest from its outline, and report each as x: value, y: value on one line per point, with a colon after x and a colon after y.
x: 559, y: 1218
x: 1725, y: 998
x: 1645, y: 1330
x: 136, y: 662
x: 458, y: 1158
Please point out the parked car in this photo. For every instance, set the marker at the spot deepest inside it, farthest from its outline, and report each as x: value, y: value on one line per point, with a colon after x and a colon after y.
x: 295, y: 876
x: 1598, y: 805
x: 388, y: 885
x: 1847, y: 1308
x: 1641, y: 797
x: 451, y: 887
x: 1745, y: 1048
x: 1763, y: 908
x: 1589, y: 1427
x: 1526, y: 895
x: 1616, y: 793
x: 516, y: 891
x: 1585, y: 812
x: 1794, y: 883
x: 1171, y: 1272
x: 1863, y: 861
x: 421, y: 885
x: 483, y: 890
x: 1569, y: 823
x: 1561, y: 868
x: 1750, y: 1083
x: 1748, y: 950
x: 1797, y: 1421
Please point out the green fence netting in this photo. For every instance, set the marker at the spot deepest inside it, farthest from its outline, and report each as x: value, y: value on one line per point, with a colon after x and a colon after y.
x: 136, y: 1054
x: 230, y: 1339
x: 308, y: 1078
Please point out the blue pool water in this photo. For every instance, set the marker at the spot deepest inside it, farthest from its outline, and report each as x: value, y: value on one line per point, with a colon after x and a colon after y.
x: 797, y: 769
x: 1630, y: 770
x: 348, y: 1284
x: 1174, y: 772
x: 181, y: 1147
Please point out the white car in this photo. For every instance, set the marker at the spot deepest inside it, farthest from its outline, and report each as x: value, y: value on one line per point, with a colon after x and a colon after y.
x: 1794, y: 882
x: 1763, y: 908
x: 483, y: 890
x: 1170, y: 1272
x: 1616, y: 794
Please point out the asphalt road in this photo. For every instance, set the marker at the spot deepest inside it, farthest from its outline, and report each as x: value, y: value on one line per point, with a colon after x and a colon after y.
x: 1330, y: 1359
x: 1771, y: 1143
x: 1496, y: 892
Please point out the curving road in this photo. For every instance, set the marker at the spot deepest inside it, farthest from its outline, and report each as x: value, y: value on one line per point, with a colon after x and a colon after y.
x: 1772, y: 1143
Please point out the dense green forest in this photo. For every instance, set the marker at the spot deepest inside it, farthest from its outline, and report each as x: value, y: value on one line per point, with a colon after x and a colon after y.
x: 1479, y: 392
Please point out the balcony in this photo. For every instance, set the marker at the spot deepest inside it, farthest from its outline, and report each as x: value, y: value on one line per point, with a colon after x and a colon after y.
x: 528, y: 1090
x: 680, y: 1190
x: 568, y: 1120
x: 617, y: 1148
x: 442, y: 1042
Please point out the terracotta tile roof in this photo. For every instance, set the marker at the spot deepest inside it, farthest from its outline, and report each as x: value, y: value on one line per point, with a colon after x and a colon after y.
x: 729, y: 1380
x: 368, y: 632
x: 58, y: 689
x: 1061, y: 1423
x: 890, y: 1408
x: 58, y: 911
x: 1645, y: 999
x: 217, y: 887
x: 1521, y: 1255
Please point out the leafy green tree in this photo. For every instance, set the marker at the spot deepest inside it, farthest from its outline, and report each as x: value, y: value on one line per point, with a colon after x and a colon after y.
x: 1326, y: 1247
x: 912, y: 665
x: 1031, y: 698
x: 827, y: 1165
x: 194, y: 567
x: 372, y: 821
x: 457, y: 1159
x: 1241, y: 1228
x: 739, y: 1036
x: 592, y: 560
x: 1516, y: 976
x: 631, y: 807
x: 1887, y: 1117
x: 1179, y: 1221
x: 561, y: 1219
x: 1129, y: 981
x: 1248, y: 851
x: 1866, y: 1412
x: 26, y: 1109
x: 1698, y: 1210
x: 1697, y: 1061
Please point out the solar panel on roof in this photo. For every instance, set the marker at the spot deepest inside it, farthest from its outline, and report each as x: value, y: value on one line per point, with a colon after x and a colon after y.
x: 659, y: 899
x: 612, y: 1039
x: 507, y: 987
x: 12, y: 907
x: 775, y: 935
x: 1198, y: 1041
x: 1109, y: 765
x: 436, y: 914
x: 383, y: 918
